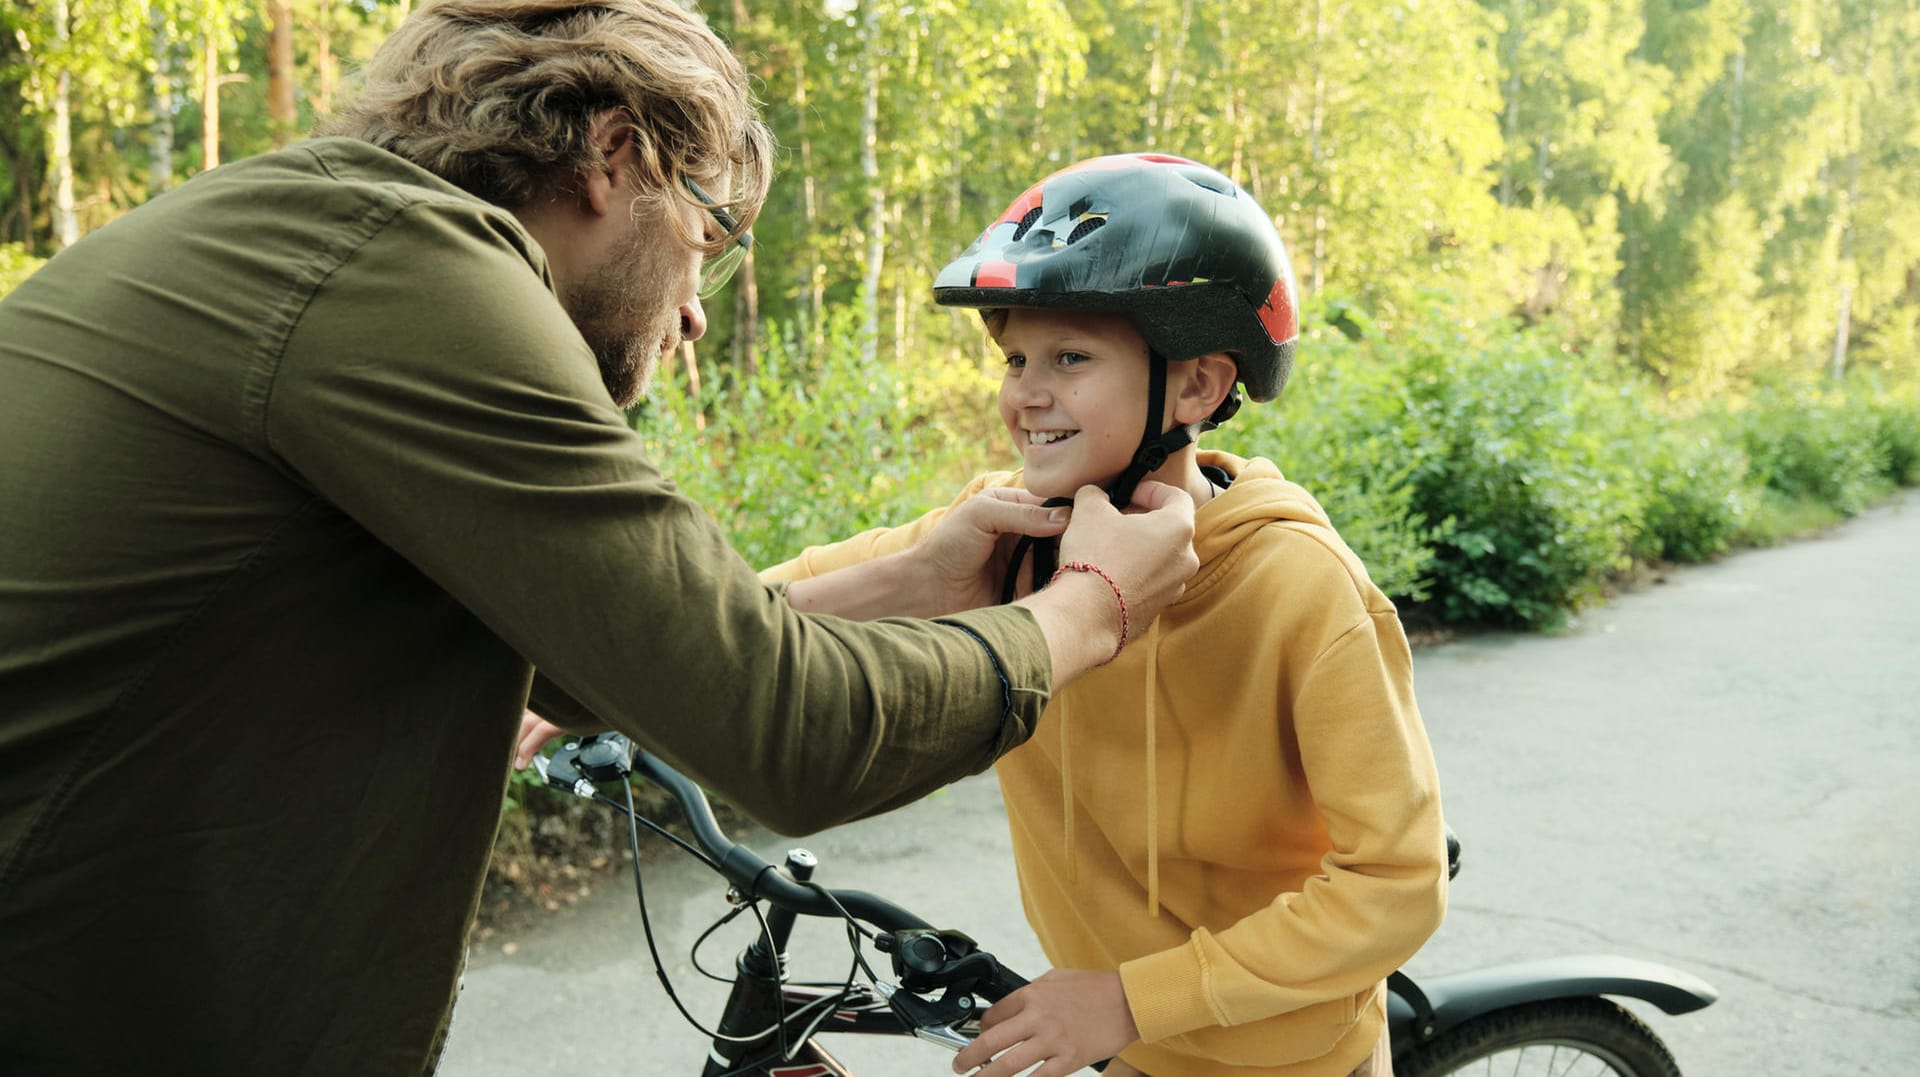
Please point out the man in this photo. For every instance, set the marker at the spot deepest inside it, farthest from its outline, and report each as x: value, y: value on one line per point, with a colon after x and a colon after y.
x: 312, y: 462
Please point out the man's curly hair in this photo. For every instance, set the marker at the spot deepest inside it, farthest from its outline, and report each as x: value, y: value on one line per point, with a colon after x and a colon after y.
x: 501, y: 98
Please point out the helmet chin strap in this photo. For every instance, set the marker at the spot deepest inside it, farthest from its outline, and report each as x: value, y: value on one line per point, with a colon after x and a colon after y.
x: 1156, y: 446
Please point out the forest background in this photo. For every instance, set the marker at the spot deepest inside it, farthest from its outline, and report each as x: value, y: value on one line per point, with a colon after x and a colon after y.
x: 1588, y: 283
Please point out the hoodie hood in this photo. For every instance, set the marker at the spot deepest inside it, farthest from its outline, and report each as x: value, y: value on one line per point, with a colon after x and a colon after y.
x: 1259, y: 496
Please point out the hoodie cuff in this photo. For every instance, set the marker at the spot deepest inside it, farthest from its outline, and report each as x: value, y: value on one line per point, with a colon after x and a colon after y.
x: 1167, y: 992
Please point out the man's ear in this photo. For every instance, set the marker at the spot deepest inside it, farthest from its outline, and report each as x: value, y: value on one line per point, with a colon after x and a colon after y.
x: 1208, y: 381
x: 612, y: 133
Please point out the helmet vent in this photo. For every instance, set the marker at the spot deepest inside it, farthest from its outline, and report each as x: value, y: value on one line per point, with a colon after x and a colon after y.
x: 1026, y: 224
x: 1085, y: 228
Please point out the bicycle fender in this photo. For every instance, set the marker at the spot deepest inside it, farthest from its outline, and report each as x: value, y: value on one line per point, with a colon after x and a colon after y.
x: 1462, y: 996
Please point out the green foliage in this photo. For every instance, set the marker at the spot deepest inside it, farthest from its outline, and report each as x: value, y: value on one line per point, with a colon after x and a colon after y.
x: 1521, y: 452
x: 1697, y: 499
x: 1341, y: 431
x: 1897, y: 419
x: 804, y: 451
x: 1807, y: 442
x: 16, y: 265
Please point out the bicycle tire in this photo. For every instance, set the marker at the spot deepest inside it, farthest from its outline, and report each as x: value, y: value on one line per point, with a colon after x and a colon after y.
x: 1580, y: 1037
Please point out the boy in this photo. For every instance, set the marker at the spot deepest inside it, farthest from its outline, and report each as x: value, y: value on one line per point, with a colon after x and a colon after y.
x: 1230, y: 835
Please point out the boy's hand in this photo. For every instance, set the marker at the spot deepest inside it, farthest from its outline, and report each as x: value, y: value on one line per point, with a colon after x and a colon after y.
x: 1062, y: 1021
x: 535, y: 732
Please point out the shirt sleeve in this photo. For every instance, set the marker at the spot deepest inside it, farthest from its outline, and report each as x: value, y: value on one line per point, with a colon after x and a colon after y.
x: 1381, y: 888
x: 436, y: 393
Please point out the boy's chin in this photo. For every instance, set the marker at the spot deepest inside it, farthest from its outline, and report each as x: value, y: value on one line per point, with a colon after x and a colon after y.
x: 1050, y: 486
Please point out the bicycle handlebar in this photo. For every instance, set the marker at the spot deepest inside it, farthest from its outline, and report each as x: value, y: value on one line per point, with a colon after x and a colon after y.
x: 925, y: 959
x: 755, y: 877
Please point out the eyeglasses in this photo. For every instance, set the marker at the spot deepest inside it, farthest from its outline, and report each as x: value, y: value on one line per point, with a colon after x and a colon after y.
x: 718, y: 269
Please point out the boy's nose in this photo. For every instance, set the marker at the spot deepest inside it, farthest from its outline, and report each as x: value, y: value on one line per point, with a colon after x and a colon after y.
x: 1025, y: 390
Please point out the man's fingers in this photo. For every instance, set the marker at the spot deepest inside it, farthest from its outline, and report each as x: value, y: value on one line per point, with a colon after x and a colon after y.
x: 1011, y: 493
x: 1024, y: 515
x: 1157, y: 495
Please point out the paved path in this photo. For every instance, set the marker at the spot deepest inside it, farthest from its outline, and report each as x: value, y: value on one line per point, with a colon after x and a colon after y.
x: 1721, y: 772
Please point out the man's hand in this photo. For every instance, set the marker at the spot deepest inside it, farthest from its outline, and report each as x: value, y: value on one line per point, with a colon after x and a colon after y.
x: 1147, y: 552
x: 1060, y: 1022
x: 535, y: 732
x: 967, y: 552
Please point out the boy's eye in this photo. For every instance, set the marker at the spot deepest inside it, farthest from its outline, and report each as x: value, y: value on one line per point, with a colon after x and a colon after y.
x: 1072, y: 358
x: 1016, y: 361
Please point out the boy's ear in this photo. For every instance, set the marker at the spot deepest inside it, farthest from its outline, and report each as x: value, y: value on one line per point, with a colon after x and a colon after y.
x: 1209, y: 379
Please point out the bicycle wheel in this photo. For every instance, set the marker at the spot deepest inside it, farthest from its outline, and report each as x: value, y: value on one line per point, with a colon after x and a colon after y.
x: 1579, y: 1037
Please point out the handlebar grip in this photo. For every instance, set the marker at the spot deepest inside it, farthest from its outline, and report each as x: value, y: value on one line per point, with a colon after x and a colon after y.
x: 1002, y: 983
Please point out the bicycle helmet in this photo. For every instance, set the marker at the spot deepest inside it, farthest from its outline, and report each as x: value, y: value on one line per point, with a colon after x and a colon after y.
x: 1186, y: 254
x: 1178, y: 248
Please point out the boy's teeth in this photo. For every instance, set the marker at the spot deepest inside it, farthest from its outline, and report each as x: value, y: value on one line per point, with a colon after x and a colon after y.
x: 1048, y: 437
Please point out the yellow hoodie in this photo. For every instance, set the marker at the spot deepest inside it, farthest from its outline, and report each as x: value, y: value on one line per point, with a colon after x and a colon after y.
x: 1240, y: 812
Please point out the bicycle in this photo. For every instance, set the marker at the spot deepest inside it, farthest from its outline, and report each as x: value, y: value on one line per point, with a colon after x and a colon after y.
x: 1549, y: 1017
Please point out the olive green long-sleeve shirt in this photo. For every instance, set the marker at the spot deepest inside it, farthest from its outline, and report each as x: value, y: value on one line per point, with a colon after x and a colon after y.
x: 303, y: 471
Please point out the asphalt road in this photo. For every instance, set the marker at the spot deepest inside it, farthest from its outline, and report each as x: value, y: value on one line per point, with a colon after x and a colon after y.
x: 1720, y: 772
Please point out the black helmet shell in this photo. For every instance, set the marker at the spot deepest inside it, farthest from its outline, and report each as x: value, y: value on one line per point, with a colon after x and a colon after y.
x: 1186, y: 254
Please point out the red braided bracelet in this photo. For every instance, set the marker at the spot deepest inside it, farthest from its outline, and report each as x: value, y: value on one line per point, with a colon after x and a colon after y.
x: 1085, y: 566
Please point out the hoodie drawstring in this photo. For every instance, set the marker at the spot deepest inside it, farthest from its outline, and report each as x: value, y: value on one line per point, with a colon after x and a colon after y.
x: 1153, y: 770
x: 1063, y: 714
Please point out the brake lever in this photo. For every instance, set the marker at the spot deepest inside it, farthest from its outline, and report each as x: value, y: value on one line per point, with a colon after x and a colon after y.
x: 580, y: 764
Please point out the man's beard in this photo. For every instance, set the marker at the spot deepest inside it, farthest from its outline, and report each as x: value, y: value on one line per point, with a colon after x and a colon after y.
x: 605, y: 308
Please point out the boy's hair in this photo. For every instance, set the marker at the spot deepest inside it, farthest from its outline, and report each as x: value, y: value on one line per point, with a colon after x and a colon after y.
x: 500, y: 98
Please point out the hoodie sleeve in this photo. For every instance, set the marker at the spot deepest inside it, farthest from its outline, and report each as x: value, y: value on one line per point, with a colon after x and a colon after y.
x: 879, y: 542
x: 1380, y: 891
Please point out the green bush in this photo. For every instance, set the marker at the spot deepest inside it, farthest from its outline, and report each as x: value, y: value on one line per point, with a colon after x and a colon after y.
x: 1897, y: 419
x: 16, y: 265
x: 807, y: 450
x: 1805, y: 441
x: 1525, y: 456
x: 1696, y: 499
x: 1340, y: 430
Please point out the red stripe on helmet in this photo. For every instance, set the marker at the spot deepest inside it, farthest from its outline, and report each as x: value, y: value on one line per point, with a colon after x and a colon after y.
x: 1021, y: 205
x: 993, y: 275
x: 1277, y: 314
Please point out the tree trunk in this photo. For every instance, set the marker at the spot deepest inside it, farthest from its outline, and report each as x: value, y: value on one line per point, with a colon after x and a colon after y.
x: 1510, y: 123
x: 66, y: 226
x: 876, y: 193
x: 160, y: 133
x: 210, y: 106
x: 1733, y: 140
x: 1316, y: 151
x: 692, y: 365
x: 281, y: 111
x: 1173, y: 67
x: 815, y: 283
x: 746, y: 318
x: 746, y: 296
x: 323, y: 62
